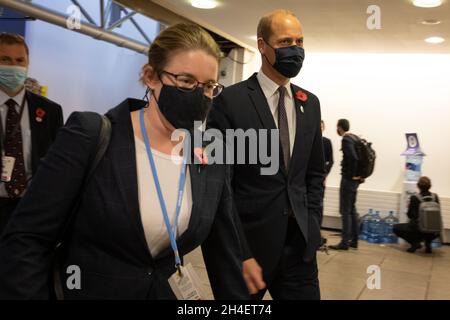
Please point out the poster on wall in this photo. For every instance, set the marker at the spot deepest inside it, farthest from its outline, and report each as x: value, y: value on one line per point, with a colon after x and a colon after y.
x: 413, y: 146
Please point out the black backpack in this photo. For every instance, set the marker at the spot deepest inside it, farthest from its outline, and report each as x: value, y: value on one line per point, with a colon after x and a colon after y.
x: 366, y: 157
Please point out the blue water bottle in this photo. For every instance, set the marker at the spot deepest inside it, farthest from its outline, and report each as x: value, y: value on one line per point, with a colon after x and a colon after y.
x: 389, y: 221
x: 365, y: 221
x: 375, y: 229
x: 436, y: 243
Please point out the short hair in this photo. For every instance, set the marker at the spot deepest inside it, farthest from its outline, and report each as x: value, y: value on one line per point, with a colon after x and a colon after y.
x: 424, y: 184
x: 344, y: 124
x: 13, y: 38
x: 264, y: 29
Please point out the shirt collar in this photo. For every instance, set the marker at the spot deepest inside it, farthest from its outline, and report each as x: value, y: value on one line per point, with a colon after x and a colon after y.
x: 18, y: 98
x: 269, y: 87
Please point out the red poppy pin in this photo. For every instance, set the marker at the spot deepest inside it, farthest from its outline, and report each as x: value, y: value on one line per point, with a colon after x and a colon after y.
x: 201, y: 155
x: 300, y: 95
x: 40, y: 113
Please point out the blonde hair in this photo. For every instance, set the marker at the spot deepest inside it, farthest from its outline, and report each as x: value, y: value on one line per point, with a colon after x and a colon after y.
x: 265, y: 23
x: 180, y: 37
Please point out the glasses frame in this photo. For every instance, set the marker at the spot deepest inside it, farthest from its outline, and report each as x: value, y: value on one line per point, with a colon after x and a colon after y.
x: 217, y: 85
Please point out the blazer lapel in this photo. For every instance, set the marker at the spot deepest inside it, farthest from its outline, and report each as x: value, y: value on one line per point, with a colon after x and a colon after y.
x: 262, y: 107
x: 260, y: 103
x: 35, y: 129
x: 123, y: 153
x: 300, y: 128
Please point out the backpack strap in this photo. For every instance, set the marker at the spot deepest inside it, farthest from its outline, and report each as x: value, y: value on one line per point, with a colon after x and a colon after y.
x: 354, y: 137
x: 103, y: 139
x: 422, y: 198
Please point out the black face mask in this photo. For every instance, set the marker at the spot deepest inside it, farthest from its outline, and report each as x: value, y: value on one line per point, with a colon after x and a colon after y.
x: 288, y: 60
x: 181, y: 108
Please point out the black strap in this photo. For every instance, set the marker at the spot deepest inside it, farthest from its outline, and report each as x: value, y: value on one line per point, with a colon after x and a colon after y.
x: 432, y: 196
x: 102, y: 146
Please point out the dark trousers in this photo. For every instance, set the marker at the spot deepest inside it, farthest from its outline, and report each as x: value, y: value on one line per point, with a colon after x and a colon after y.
x: 347, y: 209
x: 7, y: 206
x: 412, y: 234
x: 293, y: 279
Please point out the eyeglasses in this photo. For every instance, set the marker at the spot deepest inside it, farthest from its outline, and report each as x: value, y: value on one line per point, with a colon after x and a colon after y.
x: 188, y: 83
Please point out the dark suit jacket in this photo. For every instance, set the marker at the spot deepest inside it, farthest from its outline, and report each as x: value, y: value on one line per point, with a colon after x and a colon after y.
x: 349, y: 162
x: 107, y: 240
x: 264, y: 201
x: 328, y: 154
x: 42, y: 133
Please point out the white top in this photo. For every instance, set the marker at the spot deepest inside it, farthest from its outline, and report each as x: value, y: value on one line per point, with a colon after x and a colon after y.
x: 270, y: 90
x: 168, y: 168
x: 24, y: 126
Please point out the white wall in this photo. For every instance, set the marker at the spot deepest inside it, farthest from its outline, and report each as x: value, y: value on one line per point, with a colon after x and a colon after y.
x: 384, y: 96
x: 83, y: 73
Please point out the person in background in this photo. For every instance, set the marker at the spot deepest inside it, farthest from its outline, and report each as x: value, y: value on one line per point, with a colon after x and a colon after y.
x: 410, y: 231
x: 329, y: 161
x: 145, y: 207
x: 28, y: 125
x: 348, y: 189
x: 327, y: 150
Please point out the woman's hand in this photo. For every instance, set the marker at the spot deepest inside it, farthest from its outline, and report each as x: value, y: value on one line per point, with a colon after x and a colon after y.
x: 253, y: 277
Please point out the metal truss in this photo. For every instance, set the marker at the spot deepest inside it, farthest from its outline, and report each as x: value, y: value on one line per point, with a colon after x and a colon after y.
x: 110, y: 19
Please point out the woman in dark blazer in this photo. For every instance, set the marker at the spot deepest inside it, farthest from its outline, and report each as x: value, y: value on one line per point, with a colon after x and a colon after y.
x: 119, y: 241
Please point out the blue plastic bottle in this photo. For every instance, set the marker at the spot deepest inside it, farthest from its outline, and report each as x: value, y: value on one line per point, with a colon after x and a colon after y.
x: 388, y: 224
x: 436, y: 243
x: 375, y: 229
x: 365, y: 221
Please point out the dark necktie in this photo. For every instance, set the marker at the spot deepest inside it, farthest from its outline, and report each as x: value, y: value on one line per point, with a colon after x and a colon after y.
x: 283, y: 128
x: 14, y: 148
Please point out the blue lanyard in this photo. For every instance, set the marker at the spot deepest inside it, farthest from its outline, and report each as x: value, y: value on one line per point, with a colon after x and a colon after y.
x: 172, y: 231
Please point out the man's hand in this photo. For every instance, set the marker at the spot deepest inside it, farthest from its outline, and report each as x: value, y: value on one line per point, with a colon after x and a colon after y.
x: 253, y: 277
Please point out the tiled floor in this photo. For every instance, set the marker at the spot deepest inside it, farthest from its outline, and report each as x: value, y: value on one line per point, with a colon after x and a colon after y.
x: 343, y: 275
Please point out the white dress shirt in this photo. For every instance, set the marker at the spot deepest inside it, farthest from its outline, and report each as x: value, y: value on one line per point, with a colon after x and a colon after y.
x: 270, y: 90
x: 152, y: 218
x: 24, y: 126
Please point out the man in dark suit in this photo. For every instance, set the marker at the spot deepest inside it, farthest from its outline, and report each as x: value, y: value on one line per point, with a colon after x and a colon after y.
x: 327, y: 151
x: 280, y: 213
x: 28, y: 125
x: 329, y: 161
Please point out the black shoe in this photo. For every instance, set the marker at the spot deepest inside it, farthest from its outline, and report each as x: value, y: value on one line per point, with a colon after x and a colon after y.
x: 353, y: 245
x: 414, y: 247
x: 428, y: 249
x: 340, y: 246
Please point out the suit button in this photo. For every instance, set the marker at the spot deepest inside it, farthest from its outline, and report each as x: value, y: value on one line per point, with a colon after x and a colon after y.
x: 285, y: 213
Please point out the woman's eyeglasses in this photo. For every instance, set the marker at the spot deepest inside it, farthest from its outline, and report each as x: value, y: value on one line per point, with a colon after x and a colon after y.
x: 188, y: 83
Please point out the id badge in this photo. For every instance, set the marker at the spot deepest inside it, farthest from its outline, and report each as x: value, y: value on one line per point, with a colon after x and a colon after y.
x: 187, y: 285
x: 7, y: 168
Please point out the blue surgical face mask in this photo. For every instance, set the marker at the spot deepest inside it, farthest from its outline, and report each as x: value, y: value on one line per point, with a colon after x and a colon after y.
x: 12, y: 77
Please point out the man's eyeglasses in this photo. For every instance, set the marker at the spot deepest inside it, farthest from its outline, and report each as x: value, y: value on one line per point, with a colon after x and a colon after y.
x: 188, y: 83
